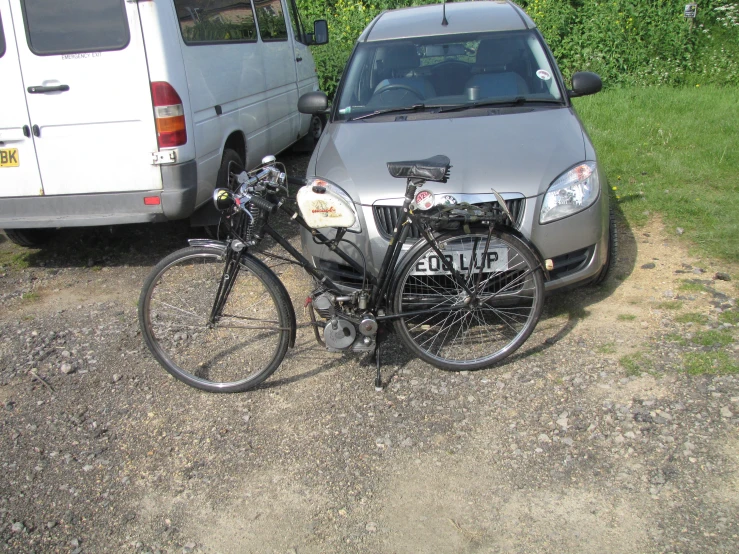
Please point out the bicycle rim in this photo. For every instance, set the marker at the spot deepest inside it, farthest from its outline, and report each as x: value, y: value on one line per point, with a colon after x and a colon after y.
x: 244, y: 345
x: 453, y: 334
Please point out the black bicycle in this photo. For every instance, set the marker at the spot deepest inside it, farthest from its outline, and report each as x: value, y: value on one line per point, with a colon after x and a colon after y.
x: 465, y: 296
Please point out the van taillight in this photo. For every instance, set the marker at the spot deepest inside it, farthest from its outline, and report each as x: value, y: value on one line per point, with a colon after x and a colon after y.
x: 169, y: 115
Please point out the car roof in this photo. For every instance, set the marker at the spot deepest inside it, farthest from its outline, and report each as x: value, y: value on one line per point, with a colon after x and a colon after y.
x: 462, y: 17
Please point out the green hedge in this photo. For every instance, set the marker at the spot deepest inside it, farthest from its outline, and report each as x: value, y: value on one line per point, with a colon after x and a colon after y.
x: 628, y: 42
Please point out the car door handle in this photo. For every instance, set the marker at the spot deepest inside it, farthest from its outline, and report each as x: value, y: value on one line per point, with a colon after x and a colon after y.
x: 53, y: 88
x: 298, y: 59
x: 36, y: 131
x: 26, y: 131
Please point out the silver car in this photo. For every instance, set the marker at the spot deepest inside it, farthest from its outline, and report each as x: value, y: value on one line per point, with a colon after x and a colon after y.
x: 474, y: 81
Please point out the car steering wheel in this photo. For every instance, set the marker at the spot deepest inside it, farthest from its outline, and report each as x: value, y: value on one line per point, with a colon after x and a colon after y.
x: 399, y: 86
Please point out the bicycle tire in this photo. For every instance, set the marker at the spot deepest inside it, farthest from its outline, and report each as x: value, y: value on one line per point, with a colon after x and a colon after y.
x: 248, y: 341
x: 468, y: 337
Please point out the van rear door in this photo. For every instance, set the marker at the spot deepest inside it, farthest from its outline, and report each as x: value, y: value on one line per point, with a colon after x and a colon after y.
x: 88, y: 94
x: 19, y: 175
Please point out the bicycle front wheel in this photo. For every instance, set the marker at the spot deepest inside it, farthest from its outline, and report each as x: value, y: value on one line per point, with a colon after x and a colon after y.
x: 238, y: 349
x: 454, y: 330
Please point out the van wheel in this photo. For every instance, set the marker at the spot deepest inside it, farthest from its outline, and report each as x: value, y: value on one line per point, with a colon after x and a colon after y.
x: 317, y: 124
x: 612, y: 249
x: 29, y: 237
x: 230, y: 163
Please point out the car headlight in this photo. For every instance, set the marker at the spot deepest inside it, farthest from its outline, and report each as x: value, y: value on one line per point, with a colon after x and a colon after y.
x: 338, y: 191
x: 572, y: 192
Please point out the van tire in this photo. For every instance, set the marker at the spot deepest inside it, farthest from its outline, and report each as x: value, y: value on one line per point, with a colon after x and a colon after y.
x: 231, y: 159
x: 29, y: 237
x: 317, y: 125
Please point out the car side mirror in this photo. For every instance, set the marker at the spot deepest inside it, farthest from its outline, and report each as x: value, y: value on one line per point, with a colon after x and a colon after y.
x: 320, y: 33
x: 313, y: 103
x: 584, y: 83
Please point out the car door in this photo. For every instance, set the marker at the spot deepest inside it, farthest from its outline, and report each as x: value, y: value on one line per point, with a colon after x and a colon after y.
x: 88, y: 94
x: 19, y: 174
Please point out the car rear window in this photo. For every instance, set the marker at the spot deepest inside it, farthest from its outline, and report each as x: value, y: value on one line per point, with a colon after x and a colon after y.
x: 215, y: 21
x: 2, y: 37
x: 54, y: 27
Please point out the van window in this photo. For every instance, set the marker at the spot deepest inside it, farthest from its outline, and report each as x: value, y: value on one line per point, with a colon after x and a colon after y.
x: 271, y: 20
x: 297, y: 22
x: 2, y: 37
x: 54, y: 27
x: 214, y: 21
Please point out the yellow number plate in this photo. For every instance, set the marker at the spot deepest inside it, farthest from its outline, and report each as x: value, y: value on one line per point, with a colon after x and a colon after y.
x: 9, y: 157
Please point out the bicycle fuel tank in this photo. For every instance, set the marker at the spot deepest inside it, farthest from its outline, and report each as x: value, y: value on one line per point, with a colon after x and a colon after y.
x: 324, y: 206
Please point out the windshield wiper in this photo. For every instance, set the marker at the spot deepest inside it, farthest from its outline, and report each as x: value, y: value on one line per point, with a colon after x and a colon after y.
x: 413, y: 108
x: 517, y: 101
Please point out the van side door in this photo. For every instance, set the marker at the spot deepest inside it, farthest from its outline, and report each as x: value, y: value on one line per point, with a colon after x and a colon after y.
x: 19, y: 174
x: 88, y: 93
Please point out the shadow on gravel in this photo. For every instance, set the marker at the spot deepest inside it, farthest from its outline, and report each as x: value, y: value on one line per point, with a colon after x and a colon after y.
x: 573, y: 303
x: 131, y: 245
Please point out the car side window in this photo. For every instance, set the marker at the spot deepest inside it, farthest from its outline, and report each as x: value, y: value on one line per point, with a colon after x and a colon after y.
x: 2, y: 37
x: 208, y: 22
x: 75, y: 26
x: 271, y: 20
x: 297, y: 23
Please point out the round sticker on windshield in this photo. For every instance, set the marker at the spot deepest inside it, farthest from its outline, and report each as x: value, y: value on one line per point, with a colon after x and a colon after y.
x: 543, y: 74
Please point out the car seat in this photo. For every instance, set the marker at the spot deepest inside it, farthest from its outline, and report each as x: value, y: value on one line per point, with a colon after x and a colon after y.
x: 494, y: 69
x: 396, y: 65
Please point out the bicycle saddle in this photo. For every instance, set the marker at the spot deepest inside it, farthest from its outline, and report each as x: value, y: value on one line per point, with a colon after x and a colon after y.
x: 435, y: 168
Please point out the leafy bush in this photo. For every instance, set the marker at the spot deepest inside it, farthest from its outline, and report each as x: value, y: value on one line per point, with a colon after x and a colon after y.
x: 628, y: 42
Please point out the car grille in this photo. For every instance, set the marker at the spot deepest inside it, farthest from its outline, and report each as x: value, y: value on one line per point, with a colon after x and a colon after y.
x: 386, y: 217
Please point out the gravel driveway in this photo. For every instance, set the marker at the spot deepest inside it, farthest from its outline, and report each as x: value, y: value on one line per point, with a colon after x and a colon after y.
x: 593, y: 438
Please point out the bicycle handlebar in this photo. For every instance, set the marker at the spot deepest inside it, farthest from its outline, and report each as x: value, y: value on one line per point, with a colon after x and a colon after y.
x: 263, y: 204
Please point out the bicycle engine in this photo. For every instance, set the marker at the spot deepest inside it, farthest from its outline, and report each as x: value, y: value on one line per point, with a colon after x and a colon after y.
x: 340, y: 332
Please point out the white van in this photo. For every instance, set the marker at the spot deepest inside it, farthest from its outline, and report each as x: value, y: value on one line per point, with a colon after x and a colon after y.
x: 125, y: 111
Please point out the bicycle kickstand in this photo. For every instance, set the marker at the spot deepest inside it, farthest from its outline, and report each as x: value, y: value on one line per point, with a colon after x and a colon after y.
x: 378, y: 377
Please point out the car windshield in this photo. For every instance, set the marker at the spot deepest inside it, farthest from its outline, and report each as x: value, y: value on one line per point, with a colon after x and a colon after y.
x: 462, y: 71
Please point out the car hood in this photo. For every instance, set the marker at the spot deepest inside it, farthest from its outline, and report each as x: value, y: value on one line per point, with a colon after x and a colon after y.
x: 512, y: 153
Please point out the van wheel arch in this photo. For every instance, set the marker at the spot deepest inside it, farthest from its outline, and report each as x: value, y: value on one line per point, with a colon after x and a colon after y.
x: 237, y: 143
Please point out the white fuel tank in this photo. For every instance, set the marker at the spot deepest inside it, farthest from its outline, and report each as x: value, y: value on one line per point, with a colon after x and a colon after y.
x: 325, y: 205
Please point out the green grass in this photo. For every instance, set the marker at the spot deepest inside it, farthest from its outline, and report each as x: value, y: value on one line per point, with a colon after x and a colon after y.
x: 672, y: 151
x: 691, y: 286
x: 670, y: 305
x: 607, y: 348
x: 11, y: 259
x: 626, y: 317
x: 692, y: 317
x: 635, y: 364
x: 676, y: 338
x: 729, y: 316
x: 30, y: 296
x: 713, y: 338
x: 698, y: 363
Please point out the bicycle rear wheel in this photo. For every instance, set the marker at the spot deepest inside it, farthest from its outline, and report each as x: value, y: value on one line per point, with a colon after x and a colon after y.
x: 246, y: 343
x: 449, y: 330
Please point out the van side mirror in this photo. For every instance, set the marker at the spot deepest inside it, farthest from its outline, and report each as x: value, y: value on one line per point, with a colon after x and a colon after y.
x: 320, y: 33
x: 313, y: 103
x: 584, y: 83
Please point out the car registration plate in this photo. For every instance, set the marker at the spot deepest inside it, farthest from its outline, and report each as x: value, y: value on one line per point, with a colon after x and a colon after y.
x: 496, y: 259
x: 9, y: 157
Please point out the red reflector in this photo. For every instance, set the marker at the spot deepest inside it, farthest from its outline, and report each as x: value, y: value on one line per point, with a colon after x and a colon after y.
x: 152, y: 200
x: 164, y: 94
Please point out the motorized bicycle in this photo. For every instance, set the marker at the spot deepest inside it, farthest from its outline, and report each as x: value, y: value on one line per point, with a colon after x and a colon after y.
x: 465, y: 296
